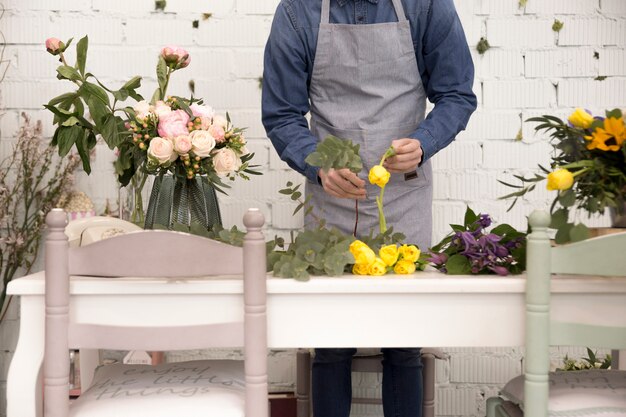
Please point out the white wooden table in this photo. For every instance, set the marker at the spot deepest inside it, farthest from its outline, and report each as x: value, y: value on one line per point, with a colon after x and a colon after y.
x: 425, y: 309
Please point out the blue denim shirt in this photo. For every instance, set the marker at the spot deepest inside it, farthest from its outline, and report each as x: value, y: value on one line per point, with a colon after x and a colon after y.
x: 443, y: 60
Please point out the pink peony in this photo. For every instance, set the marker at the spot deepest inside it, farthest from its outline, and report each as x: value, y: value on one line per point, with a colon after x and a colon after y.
x: 202, y: 111
x: 173, y: 124
x: 161, y: 108
x: 217, y: 132
x: 53, y: 45
x: 175, y: 57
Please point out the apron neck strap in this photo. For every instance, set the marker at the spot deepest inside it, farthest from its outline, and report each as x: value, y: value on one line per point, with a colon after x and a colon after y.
x: 397, y: 4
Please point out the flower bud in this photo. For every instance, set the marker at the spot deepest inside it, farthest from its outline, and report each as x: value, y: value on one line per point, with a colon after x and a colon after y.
x: 581, y: 118
x: 175, y: 57
x: 561, y: 179
x: 54, y: 46
x: 378, y: 175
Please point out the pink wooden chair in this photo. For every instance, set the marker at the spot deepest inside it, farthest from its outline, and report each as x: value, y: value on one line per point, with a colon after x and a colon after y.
x: 197, y: 388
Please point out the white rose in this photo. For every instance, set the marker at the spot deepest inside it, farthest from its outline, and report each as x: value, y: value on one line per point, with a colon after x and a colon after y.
x: 162, y: 150
x: 220, y: 121
x: 142, y: 109
x: 225, y: 162
x: 199, y: 110
x: 161, y: 108
x: 202, y: 143
x: 182, y: 145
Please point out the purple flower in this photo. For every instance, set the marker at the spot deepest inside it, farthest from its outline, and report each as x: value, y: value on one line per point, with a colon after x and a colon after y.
x: 438, y: 258
x: 484, y: 220
x: 500, y: 270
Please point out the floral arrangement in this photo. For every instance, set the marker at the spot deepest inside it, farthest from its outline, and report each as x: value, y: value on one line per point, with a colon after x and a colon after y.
x: 471, y: 249
x: 32, y: 182
x: 588, y: 168
x: 167, y: 134
x: 592, y: 362
x: 402, y: 260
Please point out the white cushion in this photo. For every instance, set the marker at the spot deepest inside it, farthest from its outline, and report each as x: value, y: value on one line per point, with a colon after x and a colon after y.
x: 579, y: 393
x: 194, y: 388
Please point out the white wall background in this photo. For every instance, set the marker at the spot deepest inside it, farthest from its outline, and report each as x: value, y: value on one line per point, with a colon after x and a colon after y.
x: 529, y: 70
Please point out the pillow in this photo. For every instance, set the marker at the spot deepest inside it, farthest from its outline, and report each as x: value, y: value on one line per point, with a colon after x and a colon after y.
x: 578, y: 393
x: 194, y: 388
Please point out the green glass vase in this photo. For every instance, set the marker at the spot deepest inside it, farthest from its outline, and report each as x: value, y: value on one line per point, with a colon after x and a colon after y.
x: 178, y: 202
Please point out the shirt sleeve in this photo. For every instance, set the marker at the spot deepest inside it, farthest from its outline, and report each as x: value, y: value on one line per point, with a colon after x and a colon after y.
x: 449, y: 77
x: 285, y: 100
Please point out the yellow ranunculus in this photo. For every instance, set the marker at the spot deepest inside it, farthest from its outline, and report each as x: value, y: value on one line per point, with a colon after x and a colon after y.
x: 581, y: 118
x: 404, y: 267
x: 561, y: 179
x: 410, y: 253
x: 389, y: 254
x: 360, y: 269
x: 356, y: 246
x: 379, y: 175
x: 377, y: 267
x: 364, y: 256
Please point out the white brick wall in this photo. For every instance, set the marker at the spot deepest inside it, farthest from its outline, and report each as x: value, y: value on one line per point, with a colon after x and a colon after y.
x: 529, y: 70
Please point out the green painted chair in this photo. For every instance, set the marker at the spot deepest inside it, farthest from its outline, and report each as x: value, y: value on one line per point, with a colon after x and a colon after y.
x: 540, y: 393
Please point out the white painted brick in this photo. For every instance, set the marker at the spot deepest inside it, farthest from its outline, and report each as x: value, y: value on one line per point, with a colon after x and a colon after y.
x: 458, y: 155
x: 467, y: 186
x: 31, y: 62
x: 248, y: 32
x: 529, y: 134
x: 251, y: 120
x: 283, y: 217
x: 457, y: 401
x: 257, y: 7
x: 266, y: 187
x: 499, y: 63
x: 158, y: 31
x: 248, y: 63
x: 612, y: 62
x: 445, y: 213
x: 123, y: 7
x: 260, y: 148
x: 216, y: 7
x: 609, y: 93
x: 592, y: 31
x: 562, y: 7
x: 101, y: 29
x: 497, y: 7
x: 211, y: 63
x: 561, y: 62
x: 30, y: 95
x: 235, y: 205
x: 517, y: 94
x: 611, y: 7
x: 123, y: 63
x: 46, y: 5
x: 9, y: 125
x: 235, y: 94
x: 484, y: 124
x: 484, y: 369
x: 521, y: 32
x: 473, y: 27
x: 510, y: 154
x: 276, y: 163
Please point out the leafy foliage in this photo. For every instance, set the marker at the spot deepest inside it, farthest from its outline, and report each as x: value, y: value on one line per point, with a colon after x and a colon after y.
x: 336, y: 153
x: 592, y: 362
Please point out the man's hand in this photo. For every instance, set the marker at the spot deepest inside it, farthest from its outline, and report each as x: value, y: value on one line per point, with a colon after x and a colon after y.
x: 408, y: 155
x: 342, y: 183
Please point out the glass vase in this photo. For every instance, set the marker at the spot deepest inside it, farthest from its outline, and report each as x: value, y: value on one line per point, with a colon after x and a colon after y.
x: 182, y: 204
x: 131, y: 199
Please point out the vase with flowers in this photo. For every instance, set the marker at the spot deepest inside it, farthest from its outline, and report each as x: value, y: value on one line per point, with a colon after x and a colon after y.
x: 588, y: 169
x: 189, y: 148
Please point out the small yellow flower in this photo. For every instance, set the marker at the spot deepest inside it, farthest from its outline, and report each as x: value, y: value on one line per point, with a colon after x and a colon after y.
x: 561, y: 179
x: 609, y: 138
x: 389, y: 254
x: 404, y: 267
x: 356, y: 246
x: 581, y: 118
x: 377, y: 267
x: 360, y: 269
x: 410, y: 253
x: 378, y: 175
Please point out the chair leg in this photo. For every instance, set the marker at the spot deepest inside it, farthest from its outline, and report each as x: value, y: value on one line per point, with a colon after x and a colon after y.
x: 492, y: 404
x: 303, y: 383
x: 428, y: 372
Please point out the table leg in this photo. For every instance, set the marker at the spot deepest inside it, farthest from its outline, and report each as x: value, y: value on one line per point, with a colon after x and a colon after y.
x: 24, y: 381
x: 89, y: 361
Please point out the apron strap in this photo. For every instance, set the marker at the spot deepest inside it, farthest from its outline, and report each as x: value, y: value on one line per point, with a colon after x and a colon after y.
x: 397, y: 4
x: 325, y: 17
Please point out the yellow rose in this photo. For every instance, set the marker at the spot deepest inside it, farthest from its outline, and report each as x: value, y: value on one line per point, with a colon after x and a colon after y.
x: 404, y: 267
x: 581, y: 118
x: 356, y: 246
x: 377, y: 267
x: 379, y: 175
x: 561, y: 179
x: 389, y: 254
x: 410, y: 253
x: 360, y: 269
x: 365, y: 256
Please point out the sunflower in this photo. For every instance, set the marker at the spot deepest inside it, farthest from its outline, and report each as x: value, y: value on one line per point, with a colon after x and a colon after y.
x: 609, y: 138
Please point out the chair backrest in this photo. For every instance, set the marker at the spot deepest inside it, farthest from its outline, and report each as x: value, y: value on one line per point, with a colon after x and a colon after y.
x: 603, y: 256
x: 170, y: 254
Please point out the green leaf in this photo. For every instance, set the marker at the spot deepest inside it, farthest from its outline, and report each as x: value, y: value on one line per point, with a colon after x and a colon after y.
x: 470, y: 216
x: 68, y: 73
x: 97, y: 110
x: 567, y: 198
x: 109, y: 131
x: 82, y: 145
x: 458, y: 265
x: 81, y: 54
x: 61, y: 98
x: 71, y: 121
x: 579, y: 232
x: 503, y: 229
x: 563, y: 233
x: 132, y: 84
x: 161, y: 72
x: 120, y: 95
x: 66, y: 138
x: 89, y: 89
x: 559, y: 218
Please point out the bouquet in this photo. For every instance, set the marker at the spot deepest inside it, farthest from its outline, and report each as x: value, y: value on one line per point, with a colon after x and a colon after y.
x: 471, y: 249
x: 588, y: 168
x: 167, y: 134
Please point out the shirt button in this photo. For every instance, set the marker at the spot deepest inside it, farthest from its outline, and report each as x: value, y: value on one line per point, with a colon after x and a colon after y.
x: 360, y: 18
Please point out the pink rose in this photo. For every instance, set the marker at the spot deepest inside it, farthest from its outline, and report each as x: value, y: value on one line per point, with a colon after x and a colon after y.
x: 175, y: 57
x: 54, y: 46
x: 217, y: 132
x: 205, y: 123
x: 220, y: 121
x: 182, y: 144
x: 162, y: 151
x: 202, y: 111
x: 173, y: 124
x: 225, y: 162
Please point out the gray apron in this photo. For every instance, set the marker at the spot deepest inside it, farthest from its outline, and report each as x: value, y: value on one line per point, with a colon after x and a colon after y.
x: 366, y: 87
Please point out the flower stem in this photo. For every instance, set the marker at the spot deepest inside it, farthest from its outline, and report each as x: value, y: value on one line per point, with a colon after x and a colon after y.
x: 381, y: 215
